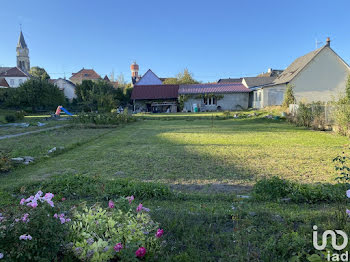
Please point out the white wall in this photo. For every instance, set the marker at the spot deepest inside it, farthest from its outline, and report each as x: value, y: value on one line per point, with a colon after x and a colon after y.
x: 15, y: 82
x: 149, y: 78
x: 324, y: 78
x: 68, y: 88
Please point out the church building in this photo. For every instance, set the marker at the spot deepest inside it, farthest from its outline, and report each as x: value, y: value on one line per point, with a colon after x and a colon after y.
x: 15, y: 76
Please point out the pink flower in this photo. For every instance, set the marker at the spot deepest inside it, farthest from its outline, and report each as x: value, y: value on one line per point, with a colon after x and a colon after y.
x: 159, y: 233
x: 50, y: 203
x: 139, y: 208
x: 118, y: 247
x: 48, y: 196
x: 33, y: 204
x: 111, y: 204
x: 25, y: 237
x: 130, y: 198
x: 25, y: 217
x: 141, y: 252
x: 55, y: 215
x: 63, y: 199
x: 38, y: 195
x: 22, y: 201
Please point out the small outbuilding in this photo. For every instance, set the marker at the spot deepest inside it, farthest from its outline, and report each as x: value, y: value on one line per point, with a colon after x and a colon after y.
x: 214, y: 97
x: 155, y: 98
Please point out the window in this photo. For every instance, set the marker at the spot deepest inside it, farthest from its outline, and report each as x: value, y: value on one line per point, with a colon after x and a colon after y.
x: 210, y: 101
x: 12, y: 82
x: 20, y: 81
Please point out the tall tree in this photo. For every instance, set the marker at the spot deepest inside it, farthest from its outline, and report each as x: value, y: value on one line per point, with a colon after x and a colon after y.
x: 39, y: 72
x: 185, y: 77
x: 37, y: 94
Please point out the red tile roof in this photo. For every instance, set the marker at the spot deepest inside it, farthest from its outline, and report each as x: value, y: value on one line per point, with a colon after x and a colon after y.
x: 3, y: 83
x: 144, y: 92
x: 12, y: 72
x: 213, y: 88
x: 85, y: 74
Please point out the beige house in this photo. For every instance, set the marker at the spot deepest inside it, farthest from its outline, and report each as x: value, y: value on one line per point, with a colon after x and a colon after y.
x: 317, y: 76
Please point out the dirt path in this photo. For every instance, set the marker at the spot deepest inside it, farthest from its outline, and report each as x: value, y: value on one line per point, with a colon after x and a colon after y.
x: 31, y: 132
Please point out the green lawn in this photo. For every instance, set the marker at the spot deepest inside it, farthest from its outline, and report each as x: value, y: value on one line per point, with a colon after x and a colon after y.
x: 210, y: 162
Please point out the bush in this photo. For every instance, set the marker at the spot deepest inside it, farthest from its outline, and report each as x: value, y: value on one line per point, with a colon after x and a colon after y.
x: 5, y: 162
x: 103, y: 119
x: 10, y: 118
x: 33, y: 232
x: 20, y: 115
x: 120, y: 231
x: 274, y: 189
x: 342, y: 115
x: 82, y: 186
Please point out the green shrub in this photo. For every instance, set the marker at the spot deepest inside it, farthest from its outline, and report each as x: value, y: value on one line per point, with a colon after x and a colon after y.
x: 116, y: 232
x: 32, y: 233
x: 10, y: 118
x: 20, y: 115
x: 83, y: 186
x: 275, y: 189
x: 5, y: 162
x: 103, y: 119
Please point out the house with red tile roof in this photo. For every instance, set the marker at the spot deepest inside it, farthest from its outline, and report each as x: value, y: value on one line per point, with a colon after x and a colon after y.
x: 84, y: 74
x: 155, y: 98
x: 14, y: 76
x: 214, y: 97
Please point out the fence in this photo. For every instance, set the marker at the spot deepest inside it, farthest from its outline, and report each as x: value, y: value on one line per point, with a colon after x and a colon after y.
x: 326, y: 112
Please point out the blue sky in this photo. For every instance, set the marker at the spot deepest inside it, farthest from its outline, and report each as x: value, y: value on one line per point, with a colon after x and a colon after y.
x: 213, y: 39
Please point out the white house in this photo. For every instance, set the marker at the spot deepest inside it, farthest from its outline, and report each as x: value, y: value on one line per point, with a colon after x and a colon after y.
x: 149, y: 78
x: 14, y: 76
x: 320, y: 75
x: 67, y: 86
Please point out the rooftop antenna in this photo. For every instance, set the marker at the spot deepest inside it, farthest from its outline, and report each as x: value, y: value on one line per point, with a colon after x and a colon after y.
x: 317, y: 43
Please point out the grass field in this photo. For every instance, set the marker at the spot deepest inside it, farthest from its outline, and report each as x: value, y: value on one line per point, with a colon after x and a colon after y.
x: 210, y: 162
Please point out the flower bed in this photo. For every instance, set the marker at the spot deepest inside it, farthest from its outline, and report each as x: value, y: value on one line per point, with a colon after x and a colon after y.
x: 39, y: 229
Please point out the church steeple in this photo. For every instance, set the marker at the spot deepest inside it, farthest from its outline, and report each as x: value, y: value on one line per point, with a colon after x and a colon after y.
x: 23, y: 61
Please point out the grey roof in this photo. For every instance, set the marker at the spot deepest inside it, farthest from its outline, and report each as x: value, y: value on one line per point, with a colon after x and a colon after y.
x: 21, y: 42
x: 230, y: 80
x: 258, y: 81
x: 294, y: 68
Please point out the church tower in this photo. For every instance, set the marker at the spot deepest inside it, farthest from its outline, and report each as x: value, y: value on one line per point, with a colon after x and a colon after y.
x: 22, y: 54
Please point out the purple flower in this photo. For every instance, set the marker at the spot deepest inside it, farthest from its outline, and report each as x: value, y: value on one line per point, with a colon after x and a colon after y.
x: 111, y: 204
x: 25, y: 218
x: 48, y: 196
x: 141, y: 252
x: 118, y: 247
x: 348, y: 193
x: 348, y: 212
x: 22, y: 201
x: 139, y: 208
x: 146, y: 209
x: 25, y: 237
x: 1, y: 255
x: 55, y: 215
x: 130, y: 198
x: 159, y: 233
x: 33, y: 204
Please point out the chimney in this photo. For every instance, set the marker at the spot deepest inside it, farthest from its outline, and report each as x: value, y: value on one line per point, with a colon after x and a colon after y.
x: 269, y: 70
x: 328, y: 42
